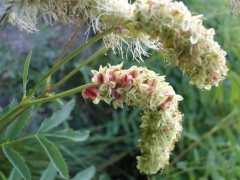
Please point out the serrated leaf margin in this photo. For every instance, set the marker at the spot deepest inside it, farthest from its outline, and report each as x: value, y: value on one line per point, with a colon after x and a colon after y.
x: 8, y: 151
x: 52, y: 151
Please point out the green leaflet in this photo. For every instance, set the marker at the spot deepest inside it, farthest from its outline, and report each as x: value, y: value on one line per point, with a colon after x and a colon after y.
x: 15, y: 128
x: 17, y: 162
x: 236, y: 170
x: 54, y: 156
x: 76, y: 136
x: 57, y: 118
x: 12, y: 105
x: 14, y: 175
x: 7, y: 109
x: 49, y: 173
x: 86, y: 174
x: 25, y: 73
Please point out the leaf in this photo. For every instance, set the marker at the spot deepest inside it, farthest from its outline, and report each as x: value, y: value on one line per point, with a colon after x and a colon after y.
x: 234, y: 141
x: 124, y: 121
x: 15, y: 128
x: 54, y: 156
x: 236, y: 170
x: 25, y: 72
x: 86, y: 174
x: 116, y: 123
x: 14, y: 175
x: 57, y: 118
x: 7, y: 109
x: 49, y: 173
x: 76, y: 136
x: 2, y: 176
x: 17, y: 162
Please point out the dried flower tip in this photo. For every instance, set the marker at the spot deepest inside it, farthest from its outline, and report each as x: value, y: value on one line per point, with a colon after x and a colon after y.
x: 90, y: 93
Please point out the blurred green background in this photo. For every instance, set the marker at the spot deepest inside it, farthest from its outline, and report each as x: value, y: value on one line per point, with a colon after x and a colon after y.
x: 209, y: 147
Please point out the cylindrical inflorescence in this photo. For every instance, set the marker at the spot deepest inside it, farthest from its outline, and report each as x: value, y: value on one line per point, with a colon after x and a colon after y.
x: 160, y: 24
x: 142, y: 88
x: 196, y: 53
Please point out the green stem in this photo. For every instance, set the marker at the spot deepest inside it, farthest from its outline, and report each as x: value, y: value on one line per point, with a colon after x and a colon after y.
x: 56, y: 67
x: 69, y: 42
x: 11, y: 113
x: 76, y: 69
x: 25, y: 138
x: 25, y: 103
x: 43, y: 100
x: 61, y: 95
x: 17, y: 140
x: 52, y: 88
x: 185, y: 171
x: 113, y: 159
x: 73, y: 54
x: 13, y: 118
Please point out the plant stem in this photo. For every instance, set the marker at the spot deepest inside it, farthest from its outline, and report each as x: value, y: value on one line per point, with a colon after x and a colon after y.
x: 17, y: 140
x: 69, y: 42
x: 56, y: 85
x: 11, y: 113
x: 25, y: 138
x: 11, y: 120
x: 14, y: 111
x: 73, y: 72
x: 43, y: 100
x: 78, y: 68
x: 61, y: 95
x: 26, y: 103
x: 113, y: 159
x: 56, y: 67
x: 185, y: 171
x: 66, y: 59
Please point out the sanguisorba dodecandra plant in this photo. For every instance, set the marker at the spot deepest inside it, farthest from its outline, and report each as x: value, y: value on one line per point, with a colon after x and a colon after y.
x: 162, y: 25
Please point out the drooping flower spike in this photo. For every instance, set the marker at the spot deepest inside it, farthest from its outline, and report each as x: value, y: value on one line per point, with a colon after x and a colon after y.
x: 162, y: 25
x: 172, y: 24
x: 142, y: 88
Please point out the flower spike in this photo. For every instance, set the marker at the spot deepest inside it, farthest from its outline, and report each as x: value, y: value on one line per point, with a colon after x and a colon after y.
x: 162, y: 25
x: 162, y: 122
